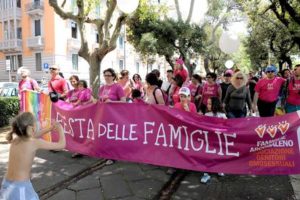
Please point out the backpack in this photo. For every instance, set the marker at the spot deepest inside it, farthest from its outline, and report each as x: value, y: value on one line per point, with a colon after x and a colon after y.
x: 165, y: 96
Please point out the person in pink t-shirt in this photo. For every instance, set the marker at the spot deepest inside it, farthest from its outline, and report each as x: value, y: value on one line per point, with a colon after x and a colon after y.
x: 185, y: 103
x: 210, y: 89
x: 267, y: 92
x: 72, y: 95
x: 196, y: 89
x: 126, y: 83
x: 177, y: 84
x: 57, y: 83
x: 111, y: 91
x: 137, y: 84
x: 179, y: 69
x: 85, y: 94
x: 293, y: 92
x: 27, y: 83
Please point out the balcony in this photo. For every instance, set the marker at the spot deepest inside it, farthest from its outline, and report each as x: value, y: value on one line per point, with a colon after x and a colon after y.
x: 11, y: 46
x: 73, y: 44
x: 11, y: 13
x: 36, y: 43
x: 35, y: 9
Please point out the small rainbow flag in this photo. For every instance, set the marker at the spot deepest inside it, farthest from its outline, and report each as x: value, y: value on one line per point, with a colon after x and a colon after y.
x: 40, y: 105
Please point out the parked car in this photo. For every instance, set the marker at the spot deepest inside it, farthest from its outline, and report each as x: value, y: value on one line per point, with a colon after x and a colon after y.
x: 9, y: 92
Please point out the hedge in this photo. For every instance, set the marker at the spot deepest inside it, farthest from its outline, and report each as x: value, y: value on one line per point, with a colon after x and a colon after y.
x: 9, y: 107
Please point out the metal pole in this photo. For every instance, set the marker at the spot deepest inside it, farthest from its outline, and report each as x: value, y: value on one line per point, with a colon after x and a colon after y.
x: 124, y: 46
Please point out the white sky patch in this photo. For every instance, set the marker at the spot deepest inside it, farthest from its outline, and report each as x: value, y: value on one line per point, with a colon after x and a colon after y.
x: 199, y: 9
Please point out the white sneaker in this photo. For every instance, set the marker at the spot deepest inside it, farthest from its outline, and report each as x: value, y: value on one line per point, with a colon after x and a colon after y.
x: 205, y: 178
x: 221, y: 174
x: 109, y: 162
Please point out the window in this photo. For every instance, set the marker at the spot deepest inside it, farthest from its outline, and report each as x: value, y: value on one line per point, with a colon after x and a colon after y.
x: 19, y: 33
x: 74, y: 29
x: 137, y: 67
x: 121, y: 64
x: 75, y: 62
x: 37, y: 27
x: 121, y: 42
x: 38, y: 62
x: 15, y: 62
x: 19, y: 3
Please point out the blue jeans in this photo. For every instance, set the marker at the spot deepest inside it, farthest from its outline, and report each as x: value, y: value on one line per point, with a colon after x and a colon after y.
x: 291, y: 108
x: 236, y: 114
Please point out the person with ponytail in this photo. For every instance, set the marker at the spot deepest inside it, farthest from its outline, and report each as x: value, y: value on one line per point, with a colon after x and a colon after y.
x: 24, y: 142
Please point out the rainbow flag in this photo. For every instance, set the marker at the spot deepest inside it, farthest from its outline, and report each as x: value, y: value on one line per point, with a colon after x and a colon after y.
x: 40, y: 106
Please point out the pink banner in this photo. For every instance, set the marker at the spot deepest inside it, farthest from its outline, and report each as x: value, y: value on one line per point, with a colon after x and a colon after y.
x: 164, y: 136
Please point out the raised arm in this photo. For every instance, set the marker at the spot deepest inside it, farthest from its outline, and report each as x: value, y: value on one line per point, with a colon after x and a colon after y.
x: 42, y: 144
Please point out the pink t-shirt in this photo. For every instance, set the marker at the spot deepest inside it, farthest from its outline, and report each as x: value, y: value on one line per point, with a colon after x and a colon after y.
x: 294, y: 92
x: 269, y: 89
x: 73, y: 95
x: 209, y: 91
x: 85, y: 95
x: 59, y: 84
x: 193, y: 88
x: 175, y: 96
x: 112, y: 92
x: 182, y: 72
x: 28, y: 84
x: 192, y: 107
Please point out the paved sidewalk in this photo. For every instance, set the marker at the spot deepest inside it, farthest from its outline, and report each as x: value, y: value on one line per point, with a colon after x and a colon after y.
x: 86, y: 178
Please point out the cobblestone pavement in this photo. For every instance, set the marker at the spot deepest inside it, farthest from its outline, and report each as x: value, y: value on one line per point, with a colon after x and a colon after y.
x: 57, y: 176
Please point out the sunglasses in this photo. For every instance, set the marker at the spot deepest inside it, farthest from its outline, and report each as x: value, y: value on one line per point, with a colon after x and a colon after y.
x: 239, y: 78
x: 270, y: 72
x: 208, y: 77
x: 51, y: 68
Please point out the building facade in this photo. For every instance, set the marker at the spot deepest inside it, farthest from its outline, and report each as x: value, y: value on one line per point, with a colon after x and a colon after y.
x: 32, y: 35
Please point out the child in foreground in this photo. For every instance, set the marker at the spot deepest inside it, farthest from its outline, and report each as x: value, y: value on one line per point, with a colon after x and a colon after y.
x: 214, y: 109
x: 25, y: 142
x: 185, y: 101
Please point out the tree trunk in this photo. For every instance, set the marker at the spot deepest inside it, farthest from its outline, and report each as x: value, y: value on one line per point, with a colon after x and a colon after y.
x: 95, y: 69
x: 206, y: 66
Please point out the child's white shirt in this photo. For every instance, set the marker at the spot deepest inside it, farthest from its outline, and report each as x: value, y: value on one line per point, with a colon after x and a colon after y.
x: 219, y: 115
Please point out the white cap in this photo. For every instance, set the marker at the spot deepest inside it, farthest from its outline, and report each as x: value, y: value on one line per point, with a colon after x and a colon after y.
x: 185, y: 91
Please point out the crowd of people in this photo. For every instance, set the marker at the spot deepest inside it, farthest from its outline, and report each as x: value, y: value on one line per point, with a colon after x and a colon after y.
x: 233, y: 95
x: 240, y: 95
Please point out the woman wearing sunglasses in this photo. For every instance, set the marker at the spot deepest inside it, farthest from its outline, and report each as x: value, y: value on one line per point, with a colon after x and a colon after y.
x: 267, y: 92
x: 237, y: 96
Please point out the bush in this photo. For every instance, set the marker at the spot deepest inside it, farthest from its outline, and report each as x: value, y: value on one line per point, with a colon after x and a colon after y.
x: 9, y: 107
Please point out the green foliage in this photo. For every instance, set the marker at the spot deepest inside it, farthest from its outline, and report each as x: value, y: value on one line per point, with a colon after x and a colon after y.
x: 9, y: 107
x: 151, y: 33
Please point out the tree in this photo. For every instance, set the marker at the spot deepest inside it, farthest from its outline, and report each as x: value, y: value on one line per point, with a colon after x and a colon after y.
x: 107, y: 32
x: 167, y: 36
x: 267, y: 35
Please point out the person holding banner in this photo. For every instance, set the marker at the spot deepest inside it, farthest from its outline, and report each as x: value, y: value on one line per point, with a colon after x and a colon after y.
x: 111, y: 91
x: 154, y: 95
x: 267, y: 92
x: 57, y: 84
x: 26, y: 83
x: 292, y: 92
x: 24, y: 140
x: 210, y: 89
x: 73, y: 95
x: 237, y: 96
x: 214, y: 108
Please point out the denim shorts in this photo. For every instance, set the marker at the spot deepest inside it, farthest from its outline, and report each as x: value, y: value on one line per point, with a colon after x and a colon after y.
x: 17, y: 190
x: 291, y: 108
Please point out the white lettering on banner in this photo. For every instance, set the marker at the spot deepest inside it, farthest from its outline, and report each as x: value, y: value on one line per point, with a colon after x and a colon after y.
x: 166, y: 136
x: 146, y: 132
x: 90, y: 129
x: 80, y: 125
x: 161, y: 134
x: 175, y: 134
